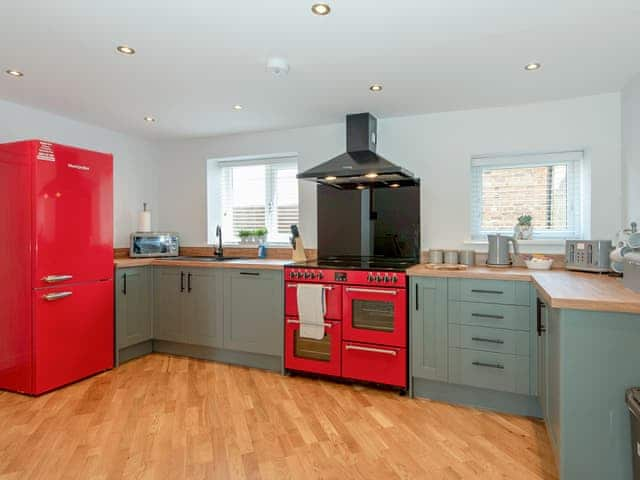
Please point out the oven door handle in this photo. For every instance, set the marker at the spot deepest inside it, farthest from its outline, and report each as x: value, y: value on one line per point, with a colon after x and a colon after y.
x: 371, y: 290
x: 369, y: 349
x: 295, y: 285
x: 298, y: 322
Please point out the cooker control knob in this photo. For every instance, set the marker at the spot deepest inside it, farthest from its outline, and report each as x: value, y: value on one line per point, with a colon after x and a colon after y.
x: 370, y: 277
x: 386, y: 278
x: 307, y: 275
x: 378, y: 278
x: 395, y: 279
x: 294, y: 275
x: 319, y: 276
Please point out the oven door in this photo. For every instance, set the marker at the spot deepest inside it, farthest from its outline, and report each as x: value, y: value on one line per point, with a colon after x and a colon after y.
x: 375, y: 315
x: 333, y: 298
x: 309, y: 355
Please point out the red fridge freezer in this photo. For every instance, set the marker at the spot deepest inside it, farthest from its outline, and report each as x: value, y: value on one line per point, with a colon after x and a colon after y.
x: 56, y: 265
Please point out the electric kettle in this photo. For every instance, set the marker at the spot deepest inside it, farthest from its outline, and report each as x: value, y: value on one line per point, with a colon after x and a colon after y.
x: 499, y: 250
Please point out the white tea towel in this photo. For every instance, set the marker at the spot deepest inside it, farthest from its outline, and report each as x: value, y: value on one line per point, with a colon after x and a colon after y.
x: 311, y: 307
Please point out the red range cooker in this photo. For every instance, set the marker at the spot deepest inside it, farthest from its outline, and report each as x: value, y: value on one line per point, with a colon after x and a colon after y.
x: 365, y: 325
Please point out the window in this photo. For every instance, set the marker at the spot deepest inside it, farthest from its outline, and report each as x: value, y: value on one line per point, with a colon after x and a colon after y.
x: 548, y: 187
x: 257, y: 193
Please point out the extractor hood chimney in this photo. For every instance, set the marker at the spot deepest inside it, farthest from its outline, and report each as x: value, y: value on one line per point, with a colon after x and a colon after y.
x: 360, y: 166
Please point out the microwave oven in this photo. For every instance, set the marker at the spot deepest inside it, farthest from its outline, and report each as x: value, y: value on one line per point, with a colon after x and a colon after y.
x: 154, y: 244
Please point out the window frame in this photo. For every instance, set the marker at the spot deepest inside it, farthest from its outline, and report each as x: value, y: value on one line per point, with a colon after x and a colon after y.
x: 215, y: 188
x: 576, y: 191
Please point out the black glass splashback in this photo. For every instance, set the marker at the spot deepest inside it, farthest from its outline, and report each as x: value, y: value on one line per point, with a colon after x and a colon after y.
x: 374, y: 222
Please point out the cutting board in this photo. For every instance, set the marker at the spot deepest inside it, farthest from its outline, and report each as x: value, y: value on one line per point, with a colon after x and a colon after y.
x: 444, y: 266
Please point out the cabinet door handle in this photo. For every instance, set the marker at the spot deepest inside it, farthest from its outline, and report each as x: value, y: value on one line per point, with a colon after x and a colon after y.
x: 486, y: 315
x: 298, y: 322
x: 124, y: 284
x: 539, y: 306
x: 369, y: 349
x: 493, y: 292
x: 489, y: 365
x: 189, y: 282
x: 371, y: 290
x: 417, y: 301
x: 487, y: 340
x: 51, y: 297
x: 253, y: 274
x: 181, y: 281
x: 57, y: 278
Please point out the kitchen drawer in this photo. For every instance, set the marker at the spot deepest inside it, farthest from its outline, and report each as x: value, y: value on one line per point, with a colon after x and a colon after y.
x: 497, y: 340
x: 489, y: 291
x: 511, y: 317
x: 374, y: 363
x: 495, y: 371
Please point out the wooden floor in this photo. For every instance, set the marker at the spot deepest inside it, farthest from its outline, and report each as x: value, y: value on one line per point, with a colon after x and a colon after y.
x: 171, y: 418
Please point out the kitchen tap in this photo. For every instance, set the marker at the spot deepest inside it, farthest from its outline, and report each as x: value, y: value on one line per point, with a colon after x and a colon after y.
x: 219, y: 251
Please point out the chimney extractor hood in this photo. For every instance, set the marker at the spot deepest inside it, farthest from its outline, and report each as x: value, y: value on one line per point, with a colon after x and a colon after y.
x: 360, y: 166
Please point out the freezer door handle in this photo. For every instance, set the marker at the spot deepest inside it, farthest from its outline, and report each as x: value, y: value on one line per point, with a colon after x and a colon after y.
x: 52, y: 297
x: 57, y: 278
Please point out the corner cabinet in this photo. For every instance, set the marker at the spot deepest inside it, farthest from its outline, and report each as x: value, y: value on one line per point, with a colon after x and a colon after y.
x: 253, y: 311
x: 428, y: 317
x: 133, y: 307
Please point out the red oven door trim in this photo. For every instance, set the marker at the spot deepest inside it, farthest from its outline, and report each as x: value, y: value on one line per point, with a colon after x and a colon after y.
x: 333, y: 297
x: 397, y: 337
x: 291, y: 362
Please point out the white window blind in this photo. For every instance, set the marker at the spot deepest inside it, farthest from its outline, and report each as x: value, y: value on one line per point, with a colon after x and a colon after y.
x: 546, y: 186
x: 259, y: 193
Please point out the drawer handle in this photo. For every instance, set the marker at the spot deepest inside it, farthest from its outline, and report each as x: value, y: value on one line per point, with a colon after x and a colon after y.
x: 369, y: 349
x: 489, y: 365
x: 494, y: 292
x: 485, y: 315
x: 51, y: 297
x: 295, y: 285
x: 253, y: 274
x: 298, y: 322
x: 57, y: 278
x: 487, y: 340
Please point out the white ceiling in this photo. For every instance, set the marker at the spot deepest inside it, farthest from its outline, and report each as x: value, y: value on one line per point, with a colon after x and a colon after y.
x: 197, y: 58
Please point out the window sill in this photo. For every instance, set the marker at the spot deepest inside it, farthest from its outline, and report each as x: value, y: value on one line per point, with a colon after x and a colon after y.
x: 540, y: 245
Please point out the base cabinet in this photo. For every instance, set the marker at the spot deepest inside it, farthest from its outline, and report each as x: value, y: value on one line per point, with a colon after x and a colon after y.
x: 253, y: 311
x: 133, y: 294
x: 189, y: 306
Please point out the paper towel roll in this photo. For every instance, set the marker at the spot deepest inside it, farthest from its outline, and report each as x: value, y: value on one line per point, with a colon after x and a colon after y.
x: 144, y: 221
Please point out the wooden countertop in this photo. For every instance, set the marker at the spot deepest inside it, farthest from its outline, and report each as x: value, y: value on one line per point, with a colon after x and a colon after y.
x: 258, y: 263
x: 559, y: 288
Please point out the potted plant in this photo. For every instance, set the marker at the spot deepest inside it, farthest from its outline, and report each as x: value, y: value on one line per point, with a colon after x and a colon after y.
x: 523, y: 229
x: 245, y: 236
x: 260, y: 235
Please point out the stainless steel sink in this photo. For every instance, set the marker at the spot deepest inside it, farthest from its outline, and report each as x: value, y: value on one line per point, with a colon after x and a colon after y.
x: 201, y: 259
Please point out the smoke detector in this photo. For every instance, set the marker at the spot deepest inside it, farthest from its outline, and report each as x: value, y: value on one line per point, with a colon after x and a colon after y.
x: 279, y: 67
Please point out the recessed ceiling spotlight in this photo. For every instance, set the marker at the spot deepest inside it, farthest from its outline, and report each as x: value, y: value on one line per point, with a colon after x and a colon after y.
x: 371, y: 175
x: 14, y: 73
x: 149, y: 119
x: 125, y: 50
x: 361, y: 187
x: 330, y: 178
x: 321, y: 9
x: 532, y: 66
x: 237, y: 108
x: 376, y: 87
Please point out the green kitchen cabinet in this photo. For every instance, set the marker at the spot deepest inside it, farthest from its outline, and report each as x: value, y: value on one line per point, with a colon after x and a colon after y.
x: 189, y: 305
x: 170, y: 288
x: 253, y: 311
x: 134, y: 322
x: 428, y: 318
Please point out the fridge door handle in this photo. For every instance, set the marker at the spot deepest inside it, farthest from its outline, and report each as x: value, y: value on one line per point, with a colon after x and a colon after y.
x: 52, y: 297
x: 56, y: 278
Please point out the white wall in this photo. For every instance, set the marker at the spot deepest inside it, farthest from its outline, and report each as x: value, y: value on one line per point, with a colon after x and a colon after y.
x: 437, y: 147
x: 631, y: 150
x: 134, y: 182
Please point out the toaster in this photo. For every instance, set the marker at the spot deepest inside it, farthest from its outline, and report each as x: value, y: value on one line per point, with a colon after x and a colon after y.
x: 588, y: 255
